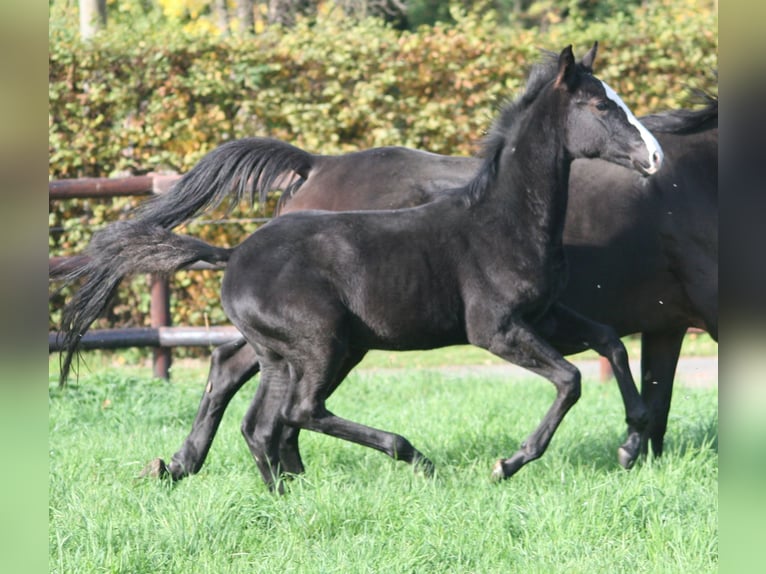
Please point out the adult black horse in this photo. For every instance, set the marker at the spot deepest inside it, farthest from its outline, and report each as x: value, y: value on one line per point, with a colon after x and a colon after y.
x: 642, y: 252
x: 312, y: 292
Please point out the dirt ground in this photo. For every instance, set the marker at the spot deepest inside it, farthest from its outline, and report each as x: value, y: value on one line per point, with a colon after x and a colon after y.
x: 691, y: 371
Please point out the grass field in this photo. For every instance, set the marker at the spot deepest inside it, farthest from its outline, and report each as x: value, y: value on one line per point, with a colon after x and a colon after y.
x: 355, y: 510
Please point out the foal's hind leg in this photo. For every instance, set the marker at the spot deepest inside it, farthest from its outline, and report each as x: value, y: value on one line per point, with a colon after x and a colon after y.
x: 231, y: 366
x: 518, y: 344
x: 305, y: 408
x: 262, y: 425
x: 289, y: 452
x: 571, y: 332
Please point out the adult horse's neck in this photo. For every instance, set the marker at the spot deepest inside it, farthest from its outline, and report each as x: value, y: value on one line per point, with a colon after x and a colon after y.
x: 531, y: 175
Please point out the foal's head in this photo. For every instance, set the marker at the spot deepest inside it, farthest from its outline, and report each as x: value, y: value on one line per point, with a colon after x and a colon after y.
x: 599, y: 124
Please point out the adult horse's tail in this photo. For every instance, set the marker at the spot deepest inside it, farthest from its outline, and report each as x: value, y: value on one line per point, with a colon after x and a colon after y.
x: 121, y: 249
x: 237, y: 170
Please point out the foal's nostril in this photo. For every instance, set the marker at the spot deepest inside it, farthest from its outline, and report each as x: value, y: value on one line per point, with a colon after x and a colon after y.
x: 656, y: 158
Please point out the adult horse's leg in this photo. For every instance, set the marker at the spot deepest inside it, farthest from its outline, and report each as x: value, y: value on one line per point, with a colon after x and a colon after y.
x: 521, y: 346
x: 569, y: 332
x: 659, y: 358
x: 231, y: 366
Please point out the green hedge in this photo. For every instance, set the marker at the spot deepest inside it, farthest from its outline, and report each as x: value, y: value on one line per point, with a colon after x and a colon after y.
x: 138, y: 100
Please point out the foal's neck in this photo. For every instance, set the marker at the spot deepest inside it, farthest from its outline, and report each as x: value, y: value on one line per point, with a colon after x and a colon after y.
x: 532, y: 183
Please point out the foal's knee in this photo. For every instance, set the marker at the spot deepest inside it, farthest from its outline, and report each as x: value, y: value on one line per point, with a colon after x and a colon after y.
x: 571, y: 386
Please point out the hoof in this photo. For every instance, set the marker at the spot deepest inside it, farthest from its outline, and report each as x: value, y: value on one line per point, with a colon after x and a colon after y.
x: 277, y: 487
x: 498, y: 473
x: 626, y: 458
x: 630, y: 449
x: 155, y: 469
x: 425, y: 467
x: 507, y: 467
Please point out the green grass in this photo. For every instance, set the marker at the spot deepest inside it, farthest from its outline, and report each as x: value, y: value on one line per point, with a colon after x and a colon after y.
x: 355, y: 510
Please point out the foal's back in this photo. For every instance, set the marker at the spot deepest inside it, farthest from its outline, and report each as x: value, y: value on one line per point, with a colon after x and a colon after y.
x: 392, y: 278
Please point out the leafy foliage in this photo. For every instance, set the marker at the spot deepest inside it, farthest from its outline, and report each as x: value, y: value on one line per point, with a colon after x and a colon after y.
x: 156, y: 97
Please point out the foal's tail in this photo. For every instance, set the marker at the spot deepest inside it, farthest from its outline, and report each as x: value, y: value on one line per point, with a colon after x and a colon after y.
x: 237, y: 170
x: 121, y: 249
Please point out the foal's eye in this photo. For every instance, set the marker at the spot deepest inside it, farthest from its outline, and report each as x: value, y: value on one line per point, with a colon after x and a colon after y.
x: 602, y: 106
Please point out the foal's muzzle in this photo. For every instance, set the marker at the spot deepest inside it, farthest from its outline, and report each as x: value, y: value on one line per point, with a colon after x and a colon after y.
x: 650, y: 167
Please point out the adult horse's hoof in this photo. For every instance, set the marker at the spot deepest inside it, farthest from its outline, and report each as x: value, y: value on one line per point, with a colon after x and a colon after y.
x: 625, y: 458
x: 629, y: 451
x: 155, y: 469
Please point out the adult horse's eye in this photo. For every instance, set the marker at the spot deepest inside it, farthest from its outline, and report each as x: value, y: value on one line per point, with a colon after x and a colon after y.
x: 602, y: 106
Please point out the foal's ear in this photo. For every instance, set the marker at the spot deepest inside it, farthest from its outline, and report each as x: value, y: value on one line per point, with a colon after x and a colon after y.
x: 566, y: 74
x: 587, y: 61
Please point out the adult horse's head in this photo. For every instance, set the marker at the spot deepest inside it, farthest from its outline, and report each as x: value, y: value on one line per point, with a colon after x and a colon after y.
x: 599, y: 122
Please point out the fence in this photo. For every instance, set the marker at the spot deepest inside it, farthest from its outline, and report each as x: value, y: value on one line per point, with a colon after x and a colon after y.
x: 161, y: 335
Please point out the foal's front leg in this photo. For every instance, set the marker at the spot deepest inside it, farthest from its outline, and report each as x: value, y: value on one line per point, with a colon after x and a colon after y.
x: 521, y: 346
x: 569, y: 332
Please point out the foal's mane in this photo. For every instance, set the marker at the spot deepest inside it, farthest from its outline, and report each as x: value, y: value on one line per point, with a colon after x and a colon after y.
x: 540, y: 75
x: 684, y: 121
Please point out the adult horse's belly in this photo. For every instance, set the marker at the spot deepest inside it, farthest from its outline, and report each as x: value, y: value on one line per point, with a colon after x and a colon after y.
x: 632, y: 294
x: 619, y: 271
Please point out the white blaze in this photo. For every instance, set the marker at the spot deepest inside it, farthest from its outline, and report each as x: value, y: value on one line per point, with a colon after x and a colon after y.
x: 652, y: 145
